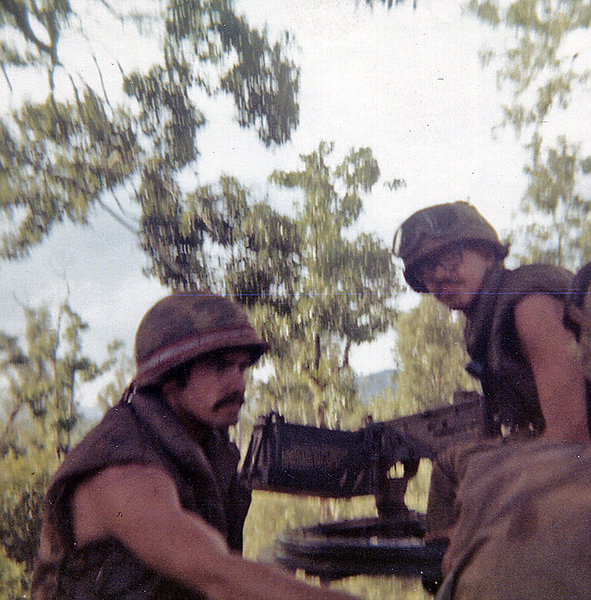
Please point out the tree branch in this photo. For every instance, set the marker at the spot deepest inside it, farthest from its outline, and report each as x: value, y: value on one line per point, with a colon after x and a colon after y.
x: 21, y: 18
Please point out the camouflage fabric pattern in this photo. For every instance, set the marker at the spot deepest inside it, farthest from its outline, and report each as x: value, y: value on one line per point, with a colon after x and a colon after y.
x: 185, y: 325
x: 431, y: 229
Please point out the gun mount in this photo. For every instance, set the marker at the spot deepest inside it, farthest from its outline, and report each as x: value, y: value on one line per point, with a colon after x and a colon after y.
x: 379, y: 459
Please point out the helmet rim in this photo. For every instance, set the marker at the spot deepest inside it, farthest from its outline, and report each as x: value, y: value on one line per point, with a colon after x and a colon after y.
x: 429, y: 230
x: 183, y: 326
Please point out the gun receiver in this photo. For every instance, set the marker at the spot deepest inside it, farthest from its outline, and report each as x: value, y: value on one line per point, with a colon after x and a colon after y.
x: 379, y: 459
x: 301, y: 459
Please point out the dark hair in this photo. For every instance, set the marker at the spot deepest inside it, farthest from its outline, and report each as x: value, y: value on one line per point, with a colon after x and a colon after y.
x: 179, y: 375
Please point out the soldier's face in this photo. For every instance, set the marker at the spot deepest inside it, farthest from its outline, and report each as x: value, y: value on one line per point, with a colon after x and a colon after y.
x: 214, y: 393
x: 454, y: 275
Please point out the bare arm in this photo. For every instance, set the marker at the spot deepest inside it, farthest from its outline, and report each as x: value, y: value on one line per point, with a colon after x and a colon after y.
x: 559, y: 380
x: 140, y: 507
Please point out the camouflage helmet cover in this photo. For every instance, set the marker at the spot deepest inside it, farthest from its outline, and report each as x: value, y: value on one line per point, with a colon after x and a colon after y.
x: 185, y: 325
x: 429, y: 230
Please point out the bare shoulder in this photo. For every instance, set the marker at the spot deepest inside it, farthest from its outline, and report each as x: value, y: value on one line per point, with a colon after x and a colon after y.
x: 539, y: 305
x: 125, y: 481
x: 102, y: 503
x: 539, y: 317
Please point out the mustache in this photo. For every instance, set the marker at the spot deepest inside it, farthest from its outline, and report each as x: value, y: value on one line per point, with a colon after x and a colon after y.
x: 232, y: 398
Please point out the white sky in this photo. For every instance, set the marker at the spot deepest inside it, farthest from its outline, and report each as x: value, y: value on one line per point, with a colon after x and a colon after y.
x: 406, y: 83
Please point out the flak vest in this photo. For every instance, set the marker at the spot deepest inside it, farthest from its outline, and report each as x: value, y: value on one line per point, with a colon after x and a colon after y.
x: 493, y: 343
x: 506, y: 377
x: 512, y: 400
x: 141, y: 430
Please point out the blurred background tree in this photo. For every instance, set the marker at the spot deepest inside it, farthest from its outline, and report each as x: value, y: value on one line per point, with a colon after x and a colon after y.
x: 42, y: 419
x: 76, y: 151
x: 542, y: 71
x: 345, y: 284
x: 431, y: 356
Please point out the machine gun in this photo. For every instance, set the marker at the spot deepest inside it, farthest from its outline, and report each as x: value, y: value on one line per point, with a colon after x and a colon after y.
x: 379, y: 459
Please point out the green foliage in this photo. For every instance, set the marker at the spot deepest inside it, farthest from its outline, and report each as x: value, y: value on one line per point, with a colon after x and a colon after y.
x: 42, y: 378
x: 562, y: 235
x: 486, y: 11
x: 13, y: 585
x: 40, y: 382
x: 24, y: 479
x: 40, y: 24
x: 58, y: 165
x: 542, y: 71
x: 341, y: 288
x: 215, y: 240
x: 431, y: 355
x: 535, y: 63
x: 384, y: 588
x: 64, y: 157
x: 122, y: 369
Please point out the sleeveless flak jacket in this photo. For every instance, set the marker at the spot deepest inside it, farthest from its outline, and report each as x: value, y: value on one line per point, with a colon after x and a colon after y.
x: 506, y: 377
x: 511, y: 396
x: 141, y: 430
x: 493, y: 343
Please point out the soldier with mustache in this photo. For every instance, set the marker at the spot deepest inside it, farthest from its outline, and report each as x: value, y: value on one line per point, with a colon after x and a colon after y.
x: 535, y: 392
x: 149, y: 506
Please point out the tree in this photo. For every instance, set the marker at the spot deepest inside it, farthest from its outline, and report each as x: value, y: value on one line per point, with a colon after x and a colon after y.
x: 215, y: 240
x: 40, y: 26
x: 543, y: 71
x: 40, y: 385
x: 345, y: 284
x: 43, y: 378
x: 538, y: 68
x: 431, y: 356
x: 562, y: 235
x: 75, y: 151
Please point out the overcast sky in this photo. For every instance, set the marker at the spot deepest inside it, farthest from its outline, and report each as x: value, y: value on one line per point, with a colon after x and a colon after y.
x: 407, y: 83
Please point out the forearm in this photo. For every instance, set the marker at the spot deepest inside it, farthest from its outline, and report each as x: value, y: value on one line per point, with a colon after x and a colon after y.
x: 200, y: 558
x: 140, y: 507
x: 204, y: 566
x: 236, y: 577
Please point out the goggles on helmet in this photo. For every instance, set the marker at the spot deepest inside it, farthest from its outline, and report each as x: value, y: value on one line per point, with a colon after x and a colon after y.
x: 435, y: 221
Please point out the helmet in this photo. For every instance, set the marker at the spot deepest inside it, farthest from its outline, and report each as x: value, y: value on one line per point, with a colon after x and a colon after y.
x: 431, y: 229
x: 185, y: 325
x: 577, y: 316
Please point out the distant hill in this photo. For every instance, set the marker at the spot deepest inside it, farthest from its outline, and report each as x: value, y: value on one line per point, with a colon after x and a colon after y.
x: 370, y: 385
